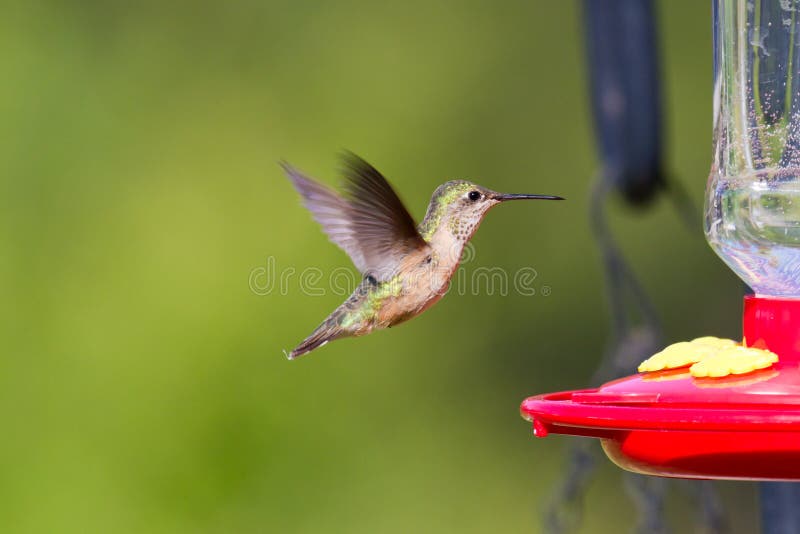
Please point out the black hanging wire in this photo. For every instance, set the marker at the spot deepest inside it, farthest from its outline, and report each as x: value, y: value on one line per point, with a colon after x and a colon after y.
x: 626, y: 103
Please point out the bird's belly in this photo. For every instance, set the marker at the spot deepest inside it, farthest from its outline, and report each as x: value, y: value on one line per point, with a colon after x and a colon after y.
x: 417, y: 296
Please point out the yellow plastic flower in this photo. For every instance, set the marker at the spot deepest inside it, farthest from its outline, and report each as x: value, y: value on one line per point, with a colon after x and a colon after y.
x: 733, y: 361
x: 681, y: 354
x: 718, y: 342
x: 711, y: 357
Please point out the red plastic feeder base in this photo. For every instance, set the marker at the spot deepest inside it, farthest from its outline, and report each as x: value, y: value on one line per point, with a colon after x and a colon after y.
x: 744, y: 427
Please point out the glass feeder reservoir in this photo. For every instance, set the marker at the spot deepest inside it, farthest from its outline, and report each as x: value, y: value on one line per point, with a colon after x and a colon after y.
x: 745, y: 426
x: 753, y: 198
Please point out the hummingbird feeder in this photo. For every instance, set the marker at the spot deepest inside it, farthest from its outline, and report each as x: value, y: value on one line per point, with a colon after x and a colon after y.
x: 746, y: 424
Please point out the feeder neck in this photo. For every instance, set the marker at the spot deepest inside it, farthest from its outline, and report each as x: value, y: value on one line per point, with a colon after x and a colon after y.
x: 773, y: 324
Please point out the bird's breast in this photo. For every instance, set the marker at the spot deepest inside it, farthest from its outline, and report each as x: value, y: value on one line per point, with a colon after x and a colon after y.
x: 420, y: 288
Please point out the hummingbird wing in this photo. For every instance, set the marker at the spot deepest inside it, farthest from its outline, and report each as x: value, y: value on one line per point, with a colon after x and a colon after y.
x: 384, y: 229
x: 328, y: 209
x: 370, y: 223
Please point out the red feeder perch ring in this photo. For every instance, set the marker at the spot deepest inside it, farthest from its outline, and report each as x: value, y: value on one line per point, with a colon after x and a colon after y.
x: 744, y: 427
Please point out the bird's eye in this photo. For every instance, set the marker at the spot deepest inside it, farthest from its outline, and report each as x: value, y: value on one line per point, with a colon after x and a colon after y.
x: 474, y: 195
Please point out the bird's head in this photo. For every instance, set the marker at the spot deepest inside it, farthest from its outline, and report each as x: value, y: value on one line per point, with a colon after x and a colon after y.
x: 460, y: 205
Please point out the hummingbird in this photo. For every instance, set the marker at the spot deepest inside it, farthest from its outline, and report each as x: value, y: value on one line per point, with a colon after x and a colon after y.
x: 406, y: 268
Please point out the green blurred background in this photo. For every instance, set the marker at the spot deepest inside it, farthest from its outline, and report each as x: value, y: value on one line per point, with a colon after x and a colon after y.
x: 143, y: 387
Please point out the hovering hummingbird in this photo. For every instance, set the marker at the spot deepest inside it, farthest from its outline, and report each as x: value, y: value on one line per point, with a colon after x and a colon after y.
x: 406, y: 268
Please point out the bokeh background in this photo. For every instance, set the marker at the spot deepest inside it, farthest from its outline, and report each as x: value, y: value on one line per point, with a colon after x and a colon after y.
x: 142, y: 382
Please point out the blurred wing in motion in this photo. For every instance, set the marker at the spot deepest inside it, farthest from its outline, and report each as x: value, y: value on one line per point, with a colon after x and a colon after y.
x: 370, y: 224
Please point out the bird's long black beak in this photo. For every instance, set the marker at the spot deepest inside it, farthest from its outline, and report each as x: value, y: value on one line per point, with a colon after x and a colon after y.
x: 511, y: 196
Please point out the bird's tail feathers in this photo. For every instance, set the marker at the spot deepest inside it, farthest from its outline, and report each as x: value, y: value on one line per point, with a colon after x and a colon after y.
x: 318, y: 338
